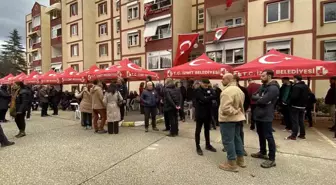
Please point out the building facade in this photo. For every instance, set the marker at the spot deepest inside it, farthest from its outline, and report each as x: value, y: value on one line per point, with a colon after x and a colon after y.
x: 103, y: 32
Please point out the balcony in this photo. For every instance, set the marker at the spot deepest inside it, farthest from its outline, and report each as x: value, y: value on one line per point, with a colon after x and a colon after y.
x: 158, y: 45
x: 36, y: 63
x: 36, y: 45
x: 157, y: 8
x: 234, y: 32
x: 55, y: 21
x: 56, y: 53
x: 57, y: 59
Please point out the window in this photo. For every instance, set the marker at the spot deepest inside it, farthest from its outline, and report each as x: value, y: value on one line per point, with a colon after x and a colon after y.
x: 55, y: 14
x: 75, y: 67
x: 30, y: 27
x: 281, y: 46
x: 56, y: 31
x: 74, y: 50
x: 103, y: 66
x: 118, y: 48
x: 36, y: 40
x: 330, y: 12
x: 36, y: 56
x: 234, y: 22
x: 117, y: 5
x: 133, y: 12
x: 102, y: 9
x: 278, y: 11
x: 74, y: 29
x: 133, y: 39
x: 103, y: 29
x: 36, y: 21
x: 118, y: 24
x: 234, y: 56
x: 200, y: 38
x: 200, y: 16
x: 136, y: 61
x: 162, y: 32
x: 330, y: 50
x: 159, y: 60
x: 30, y: 43
x: 160, y: 4
x: 216, y: 56
x: 73, y: 9
x: 193, y: 56
x: 103, y: 50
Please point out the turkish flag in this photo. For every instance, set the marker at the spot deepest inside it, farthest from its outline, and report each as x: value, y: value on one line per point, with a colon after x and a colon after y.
x: 229, y: 3
x: 220, y: 32
x: 147, y: 11
x: 185, y: 45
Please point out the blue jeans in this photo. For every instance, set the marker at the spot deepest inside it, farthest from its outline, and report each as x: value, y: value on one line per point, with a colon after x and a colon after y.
x: 231, y: 139
x: 265, y: 133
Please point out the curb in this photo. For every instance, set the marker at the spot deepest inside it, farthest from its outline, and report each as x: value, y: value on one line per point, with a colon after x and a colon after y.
x: 139, y: 123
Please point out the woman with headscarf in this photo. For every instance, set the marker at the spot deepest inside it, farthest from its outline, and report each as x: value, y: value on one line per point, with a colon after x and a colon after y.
x: 85, y: 106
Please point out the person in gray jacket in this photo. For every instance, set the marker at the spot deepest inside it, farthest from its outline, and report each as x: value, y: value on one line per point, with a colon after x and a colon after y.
x: 266, y: 98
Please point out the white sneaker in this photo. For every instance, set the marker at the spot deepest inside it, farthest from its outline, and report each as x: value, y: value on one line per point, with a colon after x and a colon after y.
x: 28, y: 119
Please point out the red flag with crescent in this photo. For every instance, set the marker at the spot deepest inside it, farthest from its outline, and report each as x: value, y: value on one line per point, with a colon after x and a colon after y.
x: 220, y: 32
x: 184, y: 47
x: 229, y: 3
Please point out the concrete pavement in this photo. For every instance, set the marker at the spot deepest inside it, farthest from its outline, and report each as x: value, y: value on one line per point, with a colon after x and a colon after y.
x: 57, y: 150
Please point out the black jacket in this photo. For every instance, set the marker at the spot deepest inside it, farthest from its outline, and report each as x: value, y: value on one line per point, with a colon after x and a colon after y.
x: 330, y: 98
x: 218, y: 92
x: 311, y: 100
x: 190, y: 91
x: 266, y: 98
x: 299, y: 95
x: 5, y: 98
x: 183, y: 92
x: 123, y: 91
x: 172, y: 98
x: 203, y: 103
x: 22, y: 100
x: 247, y: 98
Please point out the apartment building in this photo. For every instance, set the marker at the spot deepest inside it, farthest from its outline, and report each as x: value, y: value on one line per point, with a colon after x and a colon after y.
x: 38, y: 39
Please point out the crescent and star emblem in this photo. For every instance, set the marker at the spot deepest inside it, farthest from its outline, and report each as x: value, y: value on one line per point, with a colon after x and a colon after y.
x: 187, y: 42
x: 264, y: 61
x: 194, y: 63
x: 130, y: 65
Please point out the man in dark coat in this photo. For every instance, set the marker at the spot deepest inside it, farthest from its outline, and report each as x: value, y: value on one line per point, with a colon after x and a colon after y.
x: 53, y: 99
x: 203, y: 106
x: 22, y: 96
x: 43, y: 95
x: 30, y: 104
x: 150, y: 98
x: 298, y: 101
x: 251, y: 89
x: 122, y: 88
x: 284, y: 101
x: 172, y: 102
x: 183, y: 91
x: 5, y: 98
x: 330, y: 100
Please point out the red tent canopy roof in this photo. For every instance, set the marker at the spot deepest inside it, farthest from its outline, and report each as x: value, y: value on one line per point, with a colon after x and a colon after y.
x: 285, y: 65
x: 6, y: 79
x: 71, y: 76
x: 202, y: 66
x: 19, y: 77
x: 51, y: 77
x: 32, y: 78
x: 132, y: 71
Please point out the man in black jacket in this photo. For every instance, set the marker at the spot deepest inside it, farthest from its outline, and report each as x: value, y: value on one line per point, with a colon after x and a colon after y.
x: 172, y: 102
x: 43, y: 95
x: 298, y: 100
x: 266, y: 98
x: 150, y: 98
x: 21, y: 105
x: 330, y: 100
x: 284, y: 100
x: 203, y: 104
x: 5, y: 98
x: 122, y: 88
x: 53, y: 100
x: 183, y: 92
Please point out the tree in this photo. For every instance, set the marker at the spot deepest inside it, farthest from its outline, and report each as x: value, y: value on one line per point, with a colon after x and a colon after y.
x: 12, y: 55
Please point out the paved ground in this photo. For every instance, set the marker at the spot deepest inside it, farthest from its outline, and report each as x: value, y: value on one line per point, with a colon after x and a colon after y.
x: 58, y: 151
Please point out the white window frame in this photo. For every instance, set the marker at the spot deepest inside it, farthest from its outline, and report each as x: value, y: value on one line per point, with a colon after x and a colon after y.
x: 134, y: 60
x: 103, y: 29
x: 117, y: 3
x: 200, y: 18
x: 159, y: 5
x: 118, y: 25
x: 133, y: 39
x: 36, y: 21
x: 74, y: 50
x: 326, y: 51
x: 55, y: 14
x: 159, y: 33
x: 268, y: 48
x: 324, y: 15
x: 279, y: 11
x: 133, y: 15
x: 159, y: 55
x: 118, y: 48
x: 234, y: 22
x: 233, y: 56
x: 103, y: 49
x: 216, y: 51
x: 103, y: 10
x: 73, y: 11
x: 74, y: 30
x: 36, y: 56
x: 54, y: 30
x: 201, y: 38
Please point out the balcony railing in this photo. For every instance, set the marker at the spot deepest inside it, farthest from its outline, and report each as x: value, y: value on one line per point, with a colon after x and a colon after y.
x: 36, y: 45
x: 37, y: 63
x: 234, y: 32
x: 57, y: 40
x: 56, y: 59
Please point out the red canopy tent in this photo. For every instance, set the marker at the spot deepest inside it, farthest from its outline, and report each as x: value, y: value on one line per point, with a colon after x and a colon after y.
x: 19, y: 78
x: 132, y: 71
x: 51, y: 77
x: 6, y: 79
x: 71, y: 76
x: 108, y: 73
x: 285, y: 65
x: 91, y: 73
x: 32, y: 78
x: 202, y: 66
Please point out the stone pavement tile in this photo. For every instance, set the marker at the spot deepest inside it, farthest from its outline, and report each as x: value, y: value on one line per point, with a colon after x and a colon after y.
x: 174, y: 161
x: 67, y: 156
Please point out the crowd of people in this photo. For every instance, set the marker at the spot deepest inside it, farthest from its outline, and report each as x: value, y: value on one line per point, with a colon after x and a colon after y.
x: 212, y: 106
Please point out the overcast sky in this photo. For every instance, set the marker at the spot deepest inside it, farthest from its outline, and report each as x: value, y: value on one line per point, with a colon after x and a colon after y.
x: 12, y: 15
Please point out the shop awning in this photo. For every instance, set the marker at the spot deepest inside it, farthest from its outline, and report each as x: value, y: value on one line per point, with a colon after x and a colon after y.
x: 56, y: 6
